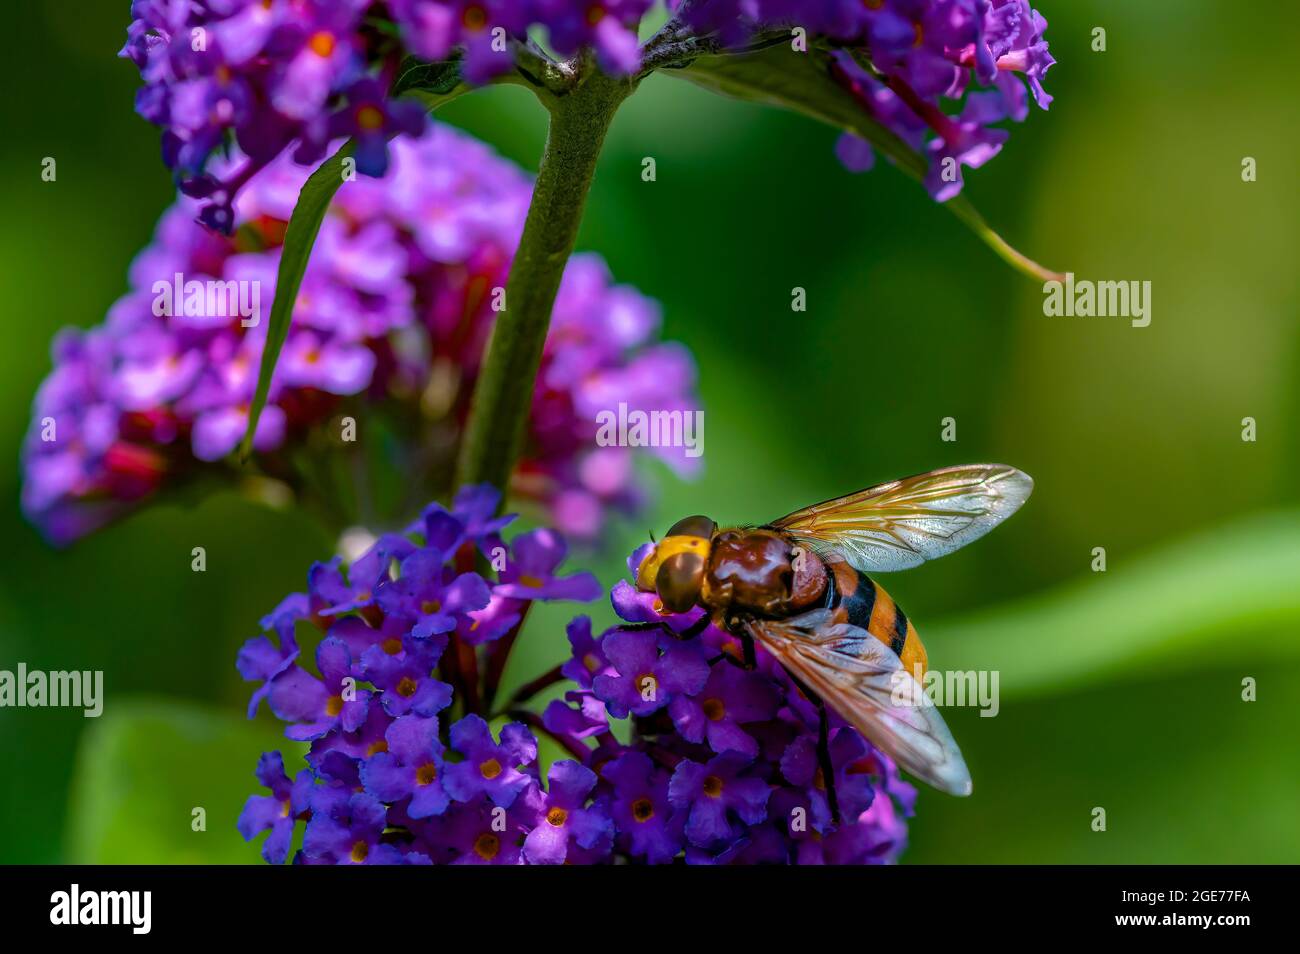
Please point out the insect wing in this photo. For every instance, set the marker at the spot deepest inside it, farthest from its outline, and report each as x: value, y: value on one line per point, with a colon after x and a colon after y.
x: 903, y: 523
x: 864, y: 681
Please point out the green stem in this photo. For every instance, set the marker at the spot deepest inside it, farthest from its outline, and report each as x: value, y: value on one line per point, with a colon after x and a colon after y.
x: 503, y: 396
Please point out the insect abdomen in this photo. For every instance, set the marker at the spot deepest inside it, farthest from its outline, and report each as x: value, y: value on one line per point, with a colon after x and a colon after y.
x: 865, y: 603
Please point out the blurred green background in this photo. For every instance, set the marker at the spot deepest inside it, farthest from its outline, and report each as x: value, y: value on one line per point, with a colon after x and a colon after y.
x: 1120, y: 690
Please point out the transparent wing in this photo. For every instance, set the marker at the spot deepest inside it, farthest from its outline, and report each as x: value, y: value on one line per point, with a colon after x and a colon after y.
x: 864, y: 681
x: 903, y: 523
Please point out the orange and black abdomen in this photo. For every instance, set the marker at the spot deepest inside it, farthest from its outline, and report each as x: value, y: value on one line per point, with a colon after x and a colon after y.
x: 859, y: 600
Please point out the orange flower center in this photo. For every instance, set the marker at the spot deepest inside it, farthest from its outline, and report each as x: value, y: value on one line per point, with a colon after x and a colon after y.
x: 643, y: 810
x: 486, y: 846
x: 714, y: 709
x: 426, y: 773
x: 556, y: 817
x: 369, y: 117
x: 322, y: 43
x: 713, y: 786
x: 334, y: 705
x: 359, y: 852
x: 490, y: 769
x: 406, y: 688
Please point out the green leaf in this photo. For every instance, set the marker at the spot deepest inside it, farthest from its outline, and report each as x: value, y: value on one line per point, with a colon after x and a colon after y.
x: 433, y: 84
x: 1225, y: 597
x: 299, y: 238
x: 145, y: 765
x: 779, y: 76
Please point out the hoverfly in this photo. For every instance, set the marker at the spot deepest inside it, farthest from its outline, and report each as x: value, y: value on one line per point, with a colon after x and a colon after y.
x: 799, y: 586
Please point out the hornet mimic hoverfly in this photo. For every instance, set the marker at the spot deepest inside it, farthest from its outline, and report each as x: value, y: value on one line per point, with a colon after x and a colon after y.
x: 799, y: 586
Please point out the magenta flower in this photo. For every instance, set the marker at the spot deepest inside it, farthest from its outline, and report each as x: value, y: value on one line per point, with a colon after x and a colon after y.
x: 651, y: 670
x: 402, y: 270
x: 489, y: 768
x: 317, y: 706
x: 261, y: 660
x: 405, y: 676
x: 330, y: 594
x: 648, y: 825
x: 479, y: 834
x: 431, y: 595
x: 530, y: 572
x: 717, y: 796
x: 729, y: 698
x: 586, y: 717
x: 569, y: 832
x: 350, y: 833
x: 410, y: 767
x: 588, y: 653
x: 278, y: 812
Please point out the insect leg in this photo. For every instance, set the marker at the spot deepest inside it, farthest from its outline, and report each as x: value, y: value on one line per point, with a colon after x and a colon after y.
x: 649, y: 627
x: 727, y: 658
x: 643, y: 627
x: 696, y: 628
x: 823, y: 748
x: 824, y: 758
x: 747, y: 641
x: 690, y: 632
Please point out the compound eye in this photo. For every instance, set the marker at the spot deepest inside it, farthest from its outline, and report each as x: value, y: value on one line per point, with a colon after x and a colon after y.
x: 678, y: 581
x: 696, y: 526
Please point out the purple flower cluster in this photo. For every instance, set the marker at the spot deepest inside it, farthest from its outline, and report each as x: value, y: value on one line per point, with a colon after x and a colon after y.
x: 395, y: 309
x: 926, y: 51
x: 275, y: 74
x: 404, y: 766
x: 920, y: 53
x: 290, y: 76
x: 410, y: 635
x: 433, y: 28
x: 723, y: 764
x: 270, y: 73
